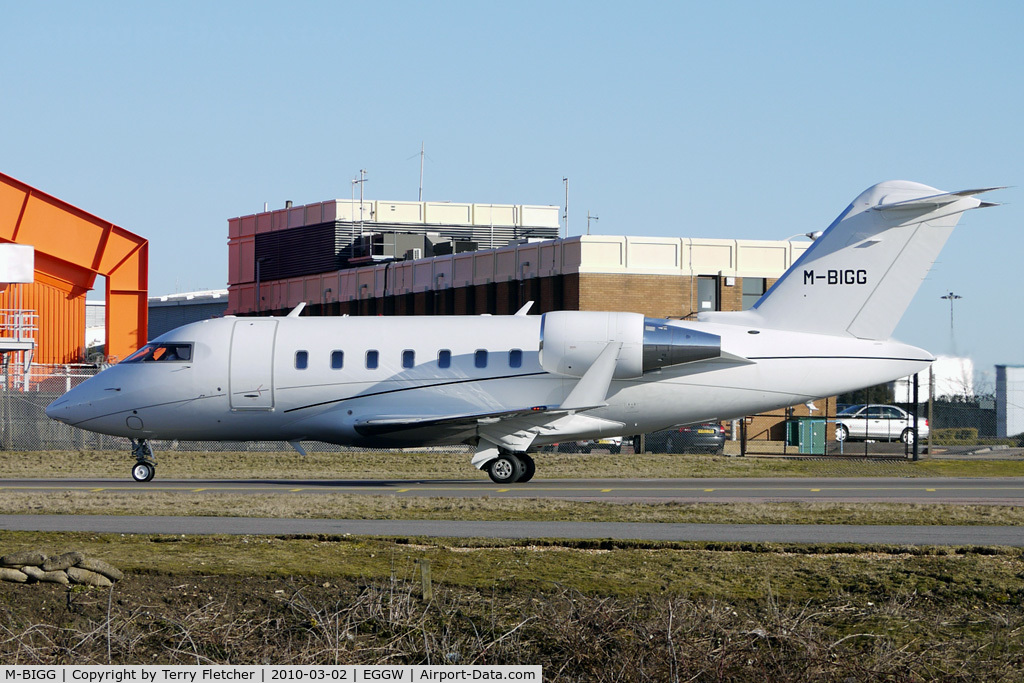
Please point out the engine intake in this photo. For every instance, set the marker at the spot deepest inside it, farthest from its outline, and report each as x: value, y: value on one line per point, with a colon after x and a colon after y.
x: 570, y: 341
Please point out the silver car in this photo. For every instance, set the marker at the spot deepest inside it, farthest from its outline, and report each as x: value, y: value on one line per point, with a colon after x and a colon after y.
x: 878, y: 422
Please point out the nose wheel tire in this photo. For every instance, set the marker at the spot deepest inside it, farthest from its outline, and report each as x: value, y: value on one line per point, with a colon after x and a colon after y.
x: 143, y: 471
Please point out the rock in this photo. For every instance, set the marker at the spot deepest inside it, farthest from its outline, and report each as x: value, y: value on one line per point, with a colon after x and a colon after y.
x: 37, y: 574
x: 88, y: 578
x: 8, y: 574
x: 101, y: 567
x: 31, y: 558
x: 59, y: 562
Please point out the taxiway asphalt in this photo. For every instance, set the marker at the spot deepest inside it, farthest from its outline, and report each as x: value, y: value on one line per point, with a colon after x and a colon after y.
x: 988, y: 491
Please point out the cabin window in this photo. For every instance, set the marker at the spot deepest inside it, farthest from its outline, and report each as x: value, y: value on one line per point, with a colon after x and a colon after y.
x: 169, y: 351
x: 301, y: 360
x: 408, y: 358
x: 444, y: 358
x: 337, y: 360
x: 372, y: 360
x: 480, y: 358
x: 515, y: 358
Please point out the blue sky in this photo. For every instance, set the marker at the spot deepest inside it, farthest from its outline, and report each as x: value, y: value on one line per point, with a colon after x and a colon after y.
x: 746, y: 120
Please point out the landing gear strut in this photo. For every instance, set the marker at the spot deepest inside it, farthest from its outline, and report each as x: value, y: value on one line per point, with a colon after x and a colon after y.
x: 510, y: 468
x: 145, y: 462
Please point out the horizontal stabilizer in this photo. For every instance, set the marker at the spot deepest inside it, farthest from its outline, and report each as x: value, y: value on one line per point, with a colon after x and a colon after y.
x: 934, y: 200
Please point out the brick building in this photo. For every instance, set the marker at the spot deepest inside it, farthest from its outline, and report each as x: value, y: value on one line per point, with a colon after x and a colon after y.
x: 657, y: 276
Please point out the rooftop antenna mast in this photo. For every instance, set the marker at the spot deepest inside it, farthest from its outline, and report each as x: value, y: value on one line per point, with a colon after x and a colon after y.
x: 565, y: 214
x: 360, y: 181
x: 421, y: 171
x: 589, y: 218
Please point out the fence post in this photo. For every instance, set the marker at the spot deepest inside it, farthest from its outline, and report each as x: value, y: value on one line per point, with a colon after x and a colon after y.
x: 916, y: 406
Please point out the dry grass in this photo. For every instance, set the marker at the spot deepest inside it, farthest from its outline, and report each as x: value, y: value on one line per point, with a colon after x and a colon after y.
x: 616, y: 613
x: 343, y: 506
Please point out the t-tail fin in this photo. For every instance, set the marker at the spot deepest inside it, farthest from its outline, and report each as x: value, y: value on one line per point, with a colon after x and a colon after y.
x: 859, y: 276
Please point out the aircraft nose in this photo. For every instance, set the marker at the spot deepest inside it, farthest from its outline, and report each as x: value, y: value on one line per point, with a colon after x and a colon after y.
x: 60, y: 410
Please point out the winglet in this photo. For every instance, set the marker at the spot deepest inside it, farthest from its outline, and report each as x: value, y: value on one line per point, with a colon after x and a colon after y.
x: 592, y: 389
x: 525, y: 309
x: 294, y: 313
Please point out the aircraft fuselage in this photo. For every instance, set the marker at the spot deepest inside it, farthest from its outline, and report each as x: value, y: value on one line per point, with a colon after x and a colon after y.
x: 324, y: 378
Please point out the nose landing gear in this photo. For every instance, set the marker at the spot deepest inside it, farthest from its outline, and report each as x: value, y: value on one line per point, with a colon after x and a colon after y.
x: 145, y: 462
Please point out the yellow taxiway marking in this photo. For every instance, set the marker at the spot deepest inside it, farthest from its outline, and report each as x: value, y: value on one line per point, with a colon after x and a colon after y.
x: 294, y: 490
x: 96, y: 490
x: 606, y: 490
x: 708, y: 490
x: 930, y: 490
x: 403, y: 490
x: 504, y: 490
x: 815, y: 490
x: 197, y: 490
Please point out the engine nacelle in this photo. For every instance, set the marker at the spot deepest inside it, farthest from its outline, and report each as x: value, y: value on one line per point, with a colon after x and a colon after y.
x: 570, y: 341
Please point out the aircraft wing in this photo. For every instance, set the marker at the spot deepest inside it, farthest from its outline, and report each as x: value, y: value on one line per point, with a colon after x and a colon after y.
x: 390, y: 424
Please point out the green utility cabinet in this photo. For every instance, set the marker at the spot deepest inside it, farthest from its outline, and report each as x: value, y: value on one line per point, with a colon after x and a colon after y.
x: 808, y: 433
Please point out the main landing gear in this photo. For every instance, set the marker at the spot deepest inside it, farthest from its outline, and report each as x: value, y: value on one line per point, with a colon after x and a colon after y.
x: 145, y: 461
x: 511, y: 468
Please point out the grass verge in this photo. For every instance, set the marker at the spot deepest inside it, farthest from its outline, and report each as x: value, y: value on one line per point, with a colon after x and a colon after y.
x: 393, y: 465
x: 342, y: 506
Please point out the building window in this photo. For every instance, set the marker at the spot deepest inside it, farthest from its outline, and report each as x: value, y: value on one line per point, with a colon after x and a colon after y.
x: 372, y: 360
x: 515, y: 358
x: 707, y: 293
x: 444, y: 358
x: 337, y: 360
x: 480, y: 358
x: 301, y: 360
x: 753, y: 289
x: 408, y: 358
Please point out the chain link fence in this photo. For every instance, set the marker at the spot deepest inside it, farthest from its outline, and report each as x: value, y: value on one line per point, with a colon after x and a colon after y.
x: 960, y: 423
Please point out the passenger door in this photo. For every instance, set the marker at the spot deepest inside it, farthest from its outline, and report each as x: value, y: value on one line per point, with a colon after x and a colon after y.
x: 251, y: 365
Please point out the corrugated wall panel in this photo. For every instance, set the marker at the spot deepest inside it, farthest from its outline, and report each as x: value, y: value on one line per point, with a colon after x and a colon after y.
x: 61, y: 334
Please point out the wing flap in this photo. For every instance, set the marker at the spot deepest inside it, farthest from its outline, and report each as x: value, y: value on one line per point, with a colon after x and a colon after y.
x: 389, y: 424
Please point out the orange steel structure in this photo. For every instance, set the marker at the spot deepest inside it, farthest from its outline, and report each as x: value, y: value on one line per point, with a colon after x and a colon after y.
x: 72, y: 247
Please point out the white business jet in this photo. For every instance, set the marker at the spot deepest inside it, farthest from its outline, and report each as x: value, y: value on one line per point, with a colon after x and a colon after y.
x: 508, y: 384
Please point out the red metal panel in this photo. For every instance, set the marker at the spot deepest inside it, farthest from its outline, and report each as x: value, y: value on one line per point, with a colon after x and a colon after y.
x: 60, y: 334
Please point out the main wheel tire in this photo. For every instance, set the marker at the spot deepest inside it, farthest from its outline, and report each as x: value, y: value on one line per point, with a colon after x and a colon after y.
x: 529, y: 468
x: 505, y: 469
x: 907, y: 436
x: 842, y: 433
x: 143, y: 471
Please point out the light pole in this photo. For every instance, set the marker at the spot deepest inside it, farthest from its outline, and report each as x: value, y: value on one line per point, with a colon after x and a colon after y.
x: 590, y: 218
x: 951, y: 297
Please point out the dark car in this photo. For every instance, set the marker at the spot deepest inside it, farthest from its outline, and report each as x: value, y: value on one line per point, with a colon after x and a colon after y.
x: 706, y: 437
